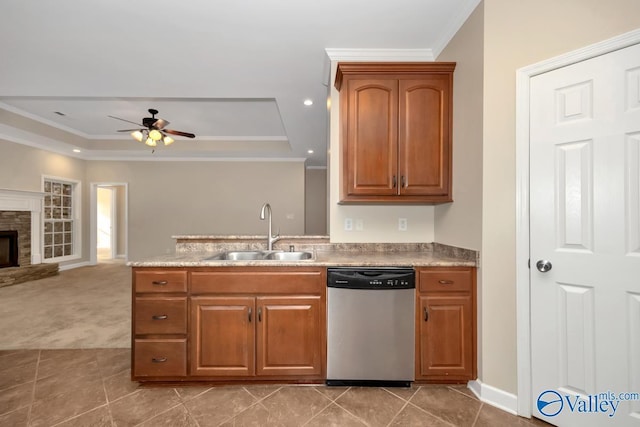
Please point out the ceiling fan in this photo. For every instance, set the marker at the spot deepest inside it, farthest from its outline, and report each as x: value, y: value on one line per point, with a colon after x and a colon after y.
x: 153, y: 130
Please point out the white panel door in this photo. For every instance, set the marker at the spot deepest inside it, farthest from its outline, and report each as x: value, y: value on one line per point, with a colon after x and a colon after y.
x: 585, y: 222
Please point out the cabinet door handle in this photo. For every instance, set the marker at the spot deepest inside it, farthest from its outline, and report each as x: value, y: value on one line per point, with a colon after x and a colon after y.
x: 250, y: 312
x: 159, y: 282
x: 445, y: 282
x: 404, y: 181
x: 159, y: 359
x: 393, y: 181
x: 160, y: 317
x: 426, y: 314
x: 260, y: 314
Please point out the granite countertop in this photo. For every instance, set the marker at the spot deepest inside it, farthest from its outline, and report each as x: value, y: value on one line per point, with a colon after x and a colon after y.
x: 192, y: 252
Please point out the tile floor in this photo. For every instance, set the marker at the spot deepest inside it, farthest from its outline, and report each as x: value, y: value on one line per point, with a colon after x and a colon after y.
x: 92, y: 388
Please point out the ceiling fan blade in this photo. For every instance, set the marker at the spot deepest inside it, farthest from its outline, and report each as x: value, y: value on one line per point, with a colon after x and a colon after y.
x: 159, y: 124
x: 127, y: 130
x: 177, y: 132
x: 128, y: 121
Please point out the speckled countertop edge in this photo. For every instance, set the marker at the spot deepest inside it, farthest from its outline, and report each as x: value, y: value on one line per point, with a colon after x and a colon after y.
x: 193, y: 251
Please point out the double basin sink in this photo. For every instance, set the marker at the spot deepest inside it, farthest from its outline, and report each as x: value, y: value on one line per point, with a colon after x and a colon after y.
x: 260, y: 256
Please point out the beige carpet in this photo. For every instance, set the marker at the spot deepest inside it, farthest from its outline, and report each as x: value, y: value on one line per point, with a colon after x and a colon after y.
x: 87, y: 307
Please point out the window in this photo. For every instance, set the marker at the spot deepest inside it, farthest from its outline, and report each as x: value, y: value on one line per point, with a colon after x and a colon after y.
x: 61, y: 235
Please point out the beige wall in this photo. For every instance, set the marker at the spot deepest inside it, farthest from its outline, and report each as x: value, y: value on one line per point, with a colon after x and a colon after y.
x: 315, y: 202
x: 459, y: 223
x: 516, y: 34
x: 175, y: 198
x: 170, y: 198
x: 22, y: 168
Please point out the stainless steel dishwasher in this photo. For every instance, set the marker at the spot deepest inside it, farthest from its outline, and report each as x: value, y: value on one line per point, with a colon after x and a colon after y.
x: 370, y: 326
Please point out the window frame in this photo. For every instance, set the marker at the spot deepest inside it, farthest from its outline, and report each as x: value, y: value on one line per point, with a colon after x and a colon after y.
x: 75, y: 219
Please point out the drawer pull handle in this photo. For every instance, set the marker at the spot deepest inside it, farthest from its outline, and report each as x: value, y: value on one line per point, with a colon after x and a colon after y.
x: 250, y: 312
x: 445, y: 282
x: 426, y: 314
x: 160, y: 282
x: 160, y: 317
x: 159, y: 359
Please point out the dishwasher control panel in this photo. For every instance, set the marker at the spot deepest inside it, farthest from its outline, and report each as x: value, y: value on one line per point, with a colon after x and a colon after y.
x: 371, y: 278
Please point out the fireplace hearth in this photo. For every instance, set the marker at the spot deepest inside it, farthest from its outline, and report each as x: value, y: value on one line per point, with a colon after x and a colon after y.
x: 8, y: 248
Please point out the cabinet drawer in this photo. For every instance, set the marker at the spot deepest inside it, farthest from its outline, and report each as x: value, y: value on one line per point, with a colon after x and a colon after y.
x: 160, y: 315
x: 160, y: 281
x: 446, y: 280
x: 160, y: 358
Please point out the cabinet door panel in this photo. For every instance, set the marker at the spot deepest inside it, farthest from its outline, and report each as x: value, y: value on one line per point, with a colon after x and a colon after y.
x: 424, y: 146
x: 290, y: 339
x: 446, y: 342
x: 222, y: 336
x: 371, y: 149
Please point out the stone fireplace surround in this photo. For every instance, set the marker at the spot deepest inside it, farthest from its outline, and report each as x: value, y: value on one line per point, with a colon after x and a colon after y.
x: 22, y: 211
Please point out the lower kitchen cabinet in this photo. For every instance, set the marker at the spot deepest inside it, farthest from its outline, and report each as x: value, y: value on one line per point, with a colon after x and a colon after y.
x: 289, y: 335
x: 229, y: 324
x: 256, y: 336
x: 446, y: 325
x: 222, y: 336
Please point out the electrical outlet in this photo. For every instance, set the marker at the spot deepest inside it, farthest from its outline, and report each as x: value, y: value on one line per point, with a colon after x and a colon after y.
x: 348, y: 224
x: 359, y: 224
x: 402, y: 224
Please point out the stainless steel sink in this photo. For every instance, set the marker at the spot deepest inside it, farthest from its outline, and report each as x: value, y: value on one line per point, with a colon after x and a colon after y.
x: 260, y: 255
x: 289, y: 256
x: 238, y: 256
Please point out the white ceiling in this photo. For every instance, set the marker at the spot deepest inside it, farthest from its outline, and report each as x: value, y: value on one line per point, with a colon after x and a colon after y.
x: 235, y: 73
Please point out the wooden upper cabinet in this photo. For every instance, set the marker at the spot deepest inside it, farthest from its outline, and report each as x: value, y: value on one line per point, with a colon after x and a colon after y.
x: 396, y: 121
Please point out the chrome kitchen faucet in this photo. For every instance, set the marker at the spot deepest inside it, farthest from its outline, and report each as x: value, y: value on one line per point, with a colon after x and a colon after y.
x: 266, y: 210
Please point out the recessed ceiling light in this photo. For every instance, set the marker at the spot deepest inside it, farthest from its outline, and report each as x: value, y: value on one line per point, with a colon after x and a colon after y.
x: 310, y: 151
x: 308, y: 102
x: 76, y: 150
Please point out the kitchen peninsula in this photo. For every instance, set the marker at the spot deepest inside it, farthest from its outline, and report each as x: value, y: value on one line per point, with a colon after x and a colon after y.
x: 197, y: 318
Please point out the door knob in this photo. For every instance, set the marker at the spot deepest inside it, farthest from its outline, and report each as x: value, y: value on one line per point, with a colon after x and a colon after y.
x: 543, y: 265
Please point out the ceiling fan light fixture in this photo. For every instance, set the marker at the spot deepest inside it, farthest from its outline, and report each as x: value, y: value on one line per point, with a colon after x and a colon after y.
x: 152, y: 130
x: 155, y: 134
x: 137, y: 135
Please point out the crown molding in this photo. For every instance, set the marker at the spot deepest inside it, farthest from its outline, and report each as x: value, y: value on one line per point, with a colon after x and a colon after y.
x: 382, y: 55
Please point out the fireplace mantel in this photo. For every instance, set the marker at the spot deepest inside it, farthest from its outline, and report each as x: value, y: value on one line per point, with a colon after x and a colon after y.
x: 17, y: 200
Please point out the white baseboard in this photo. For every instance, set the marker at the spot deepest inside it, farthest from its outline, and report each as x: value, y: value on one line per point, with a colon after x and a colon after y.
x: 494, y: 396
x: 75, y: 265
